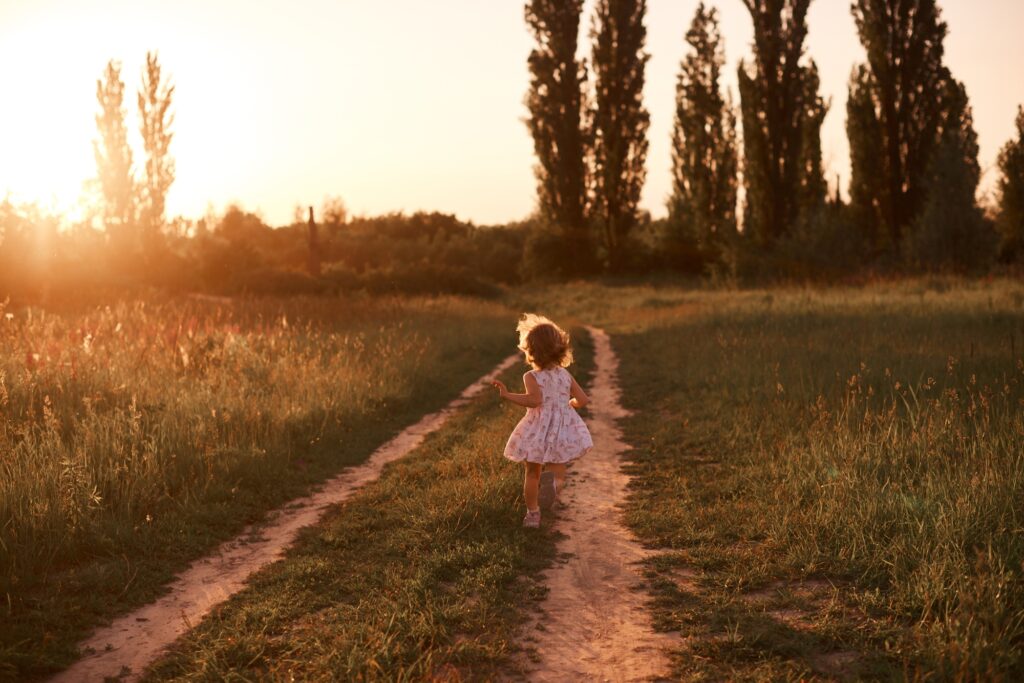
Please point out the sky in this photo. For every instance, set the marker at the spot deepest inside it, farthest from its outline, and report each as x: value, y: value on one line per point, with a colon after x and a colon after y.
x: 392, y: 105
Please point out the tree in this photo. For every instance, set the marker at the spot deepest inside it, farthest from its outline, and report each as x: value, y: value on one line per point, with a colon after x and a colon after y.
x: 113, y: 156
x: 900, y: 103
x: 1011, y: 192
x: 154, y: 100
x: 333, y: 213
x: 555, y: 103
x: 620, y: 121
x: 951, y: 232
x: 702, y: 208
x: 782, y: 114
x: 867, y: 185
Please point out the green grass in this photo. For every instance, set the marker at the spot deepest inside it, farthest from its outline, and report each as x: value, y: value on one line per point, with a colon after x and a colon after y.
x: 423, y: 573
x: 135, y: 437
x: 833, y: 477
x: 869, y: 439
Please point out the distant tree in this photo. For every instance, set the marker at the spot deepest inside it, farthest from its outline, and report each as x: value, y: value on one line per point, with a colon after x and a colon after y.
x: 782, y: 115
x: 113, y: 155
x: 951, y: 232
x: 702, y: 207
x: 620, y: 121
x: 333, y: 212
x: 155, y: 117
x: 867, y: 158
x: 900, y: 104
x: 556, y: 104
x: 1011, y: 193
x: 813, y: 187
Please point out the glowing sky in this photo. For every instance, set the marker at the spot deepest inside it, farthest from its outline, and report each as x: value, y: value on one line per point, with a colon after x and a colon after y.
x: 392, y: 105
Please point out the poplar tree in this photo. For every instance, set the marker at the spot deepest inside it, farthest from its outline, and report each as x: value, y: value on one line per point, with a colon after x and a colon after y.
x: 901, y: 102
x: 782, y: 114
x: 620, y: 121
x: 112, y: 153
x: 702, y: 207
x: 155, y: 117
x: 555, y: 102
x: 1011, y: 192
x: 951, y: 232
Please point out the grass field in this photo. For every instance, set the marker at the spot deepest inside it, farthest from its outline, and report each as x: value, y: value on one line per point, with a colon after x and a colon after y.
x: 135, y: 437
x: 833, y: 478
x: 421, y: 576
x: 836, y: 476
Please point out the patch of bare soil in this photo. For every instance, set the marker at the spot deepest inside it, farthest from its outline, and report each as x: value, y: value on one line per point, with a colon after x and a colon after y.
x: 817, y: 595
x: 593, y: 625
x: 136, y: 639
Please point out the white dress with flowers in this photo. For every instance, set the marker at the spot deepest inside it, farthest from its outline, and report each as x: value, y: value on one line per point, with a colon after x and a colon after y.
x: 552, y: 432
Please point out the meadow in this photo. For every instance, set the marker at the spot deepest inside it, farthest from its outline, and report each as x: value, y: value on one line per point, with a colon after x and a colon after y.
x: 831, y: 477
x: 424, y: 576
x: 136, y: 436
x: 834, y: 476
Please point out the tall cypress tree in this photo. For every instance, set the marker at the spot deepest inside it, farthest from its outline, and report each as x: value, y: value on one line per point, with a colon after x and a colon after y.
x: 782, y: 115
x: 1011, y: 193
x: 555, y: 102
x: 113, y: 155
x: 620, y: 120
x: 154, y: 101
x: 900, y: 103
x: 702, y: 207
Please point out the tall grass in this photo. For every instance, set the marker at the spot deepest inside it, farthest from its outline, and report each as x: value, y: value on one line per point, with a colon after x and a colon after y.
x: 133, y: 436
x: 872, y: 436
x: 425, y: 574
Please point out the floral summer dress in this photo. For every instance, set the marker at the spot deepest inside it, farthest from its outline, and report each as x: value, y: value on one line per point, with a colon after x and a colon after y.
x: 552, y: 432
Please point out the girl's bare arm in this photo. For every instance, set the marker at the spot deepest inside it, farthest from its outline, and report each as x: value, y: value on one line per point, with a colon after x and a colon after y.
x: 531, y: 399
x: 579, y: 397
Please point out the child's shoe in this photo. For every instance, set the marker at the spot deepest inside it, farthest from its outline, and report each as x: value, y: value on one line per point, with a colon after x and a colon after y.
x: 532, y: 519
x: 546, y: 493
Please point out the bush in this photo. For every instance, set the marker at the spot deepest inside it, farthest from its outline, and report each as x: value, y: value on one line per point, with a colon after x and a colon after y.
x: 825, y: 243
x: 276, y: 282
x: 412, y: 279
x: 549, y: 254
x: 951, y: 233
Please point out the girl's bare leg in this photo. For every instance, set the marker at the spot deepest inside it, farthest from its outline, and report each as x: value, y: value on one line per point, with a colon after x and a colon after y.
x: 530, y: 484
x: 559, y: 472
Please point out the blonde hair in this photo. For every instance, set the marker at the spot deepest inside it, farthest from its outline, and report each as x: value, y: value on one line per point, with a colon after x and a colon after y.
x: 544, y: 343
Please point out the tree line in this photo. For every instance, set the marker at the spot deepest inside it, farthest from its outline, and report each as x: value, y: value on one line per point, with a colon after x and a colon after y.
x: 913, y: 146
x: 749, y: 197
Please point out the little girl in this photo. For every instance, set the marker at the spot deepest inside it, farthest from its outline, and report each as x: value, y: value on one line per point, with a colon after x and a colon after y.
x: 551, y: 434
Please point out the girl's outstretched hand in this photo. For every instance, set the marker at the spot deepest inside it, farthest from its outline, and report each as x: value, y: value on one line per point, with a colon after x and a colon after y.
x: 500, y: 386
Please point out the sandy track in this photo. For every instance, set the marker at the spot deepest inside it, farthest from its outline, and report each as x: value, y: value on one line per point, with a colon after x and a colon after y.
x: 135, y: 640
x: 593, y: 626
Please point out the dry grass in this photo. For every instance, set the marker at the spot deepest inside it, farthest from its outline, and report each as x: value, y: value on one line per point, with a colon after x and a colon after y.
x: 873, y: 437
x: 133, y: 437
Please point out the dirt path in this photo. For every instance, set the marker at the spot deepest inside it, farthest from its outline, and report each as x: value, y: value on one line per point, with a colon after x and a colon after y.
x: 135, y: 640
x: 592, y: 625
